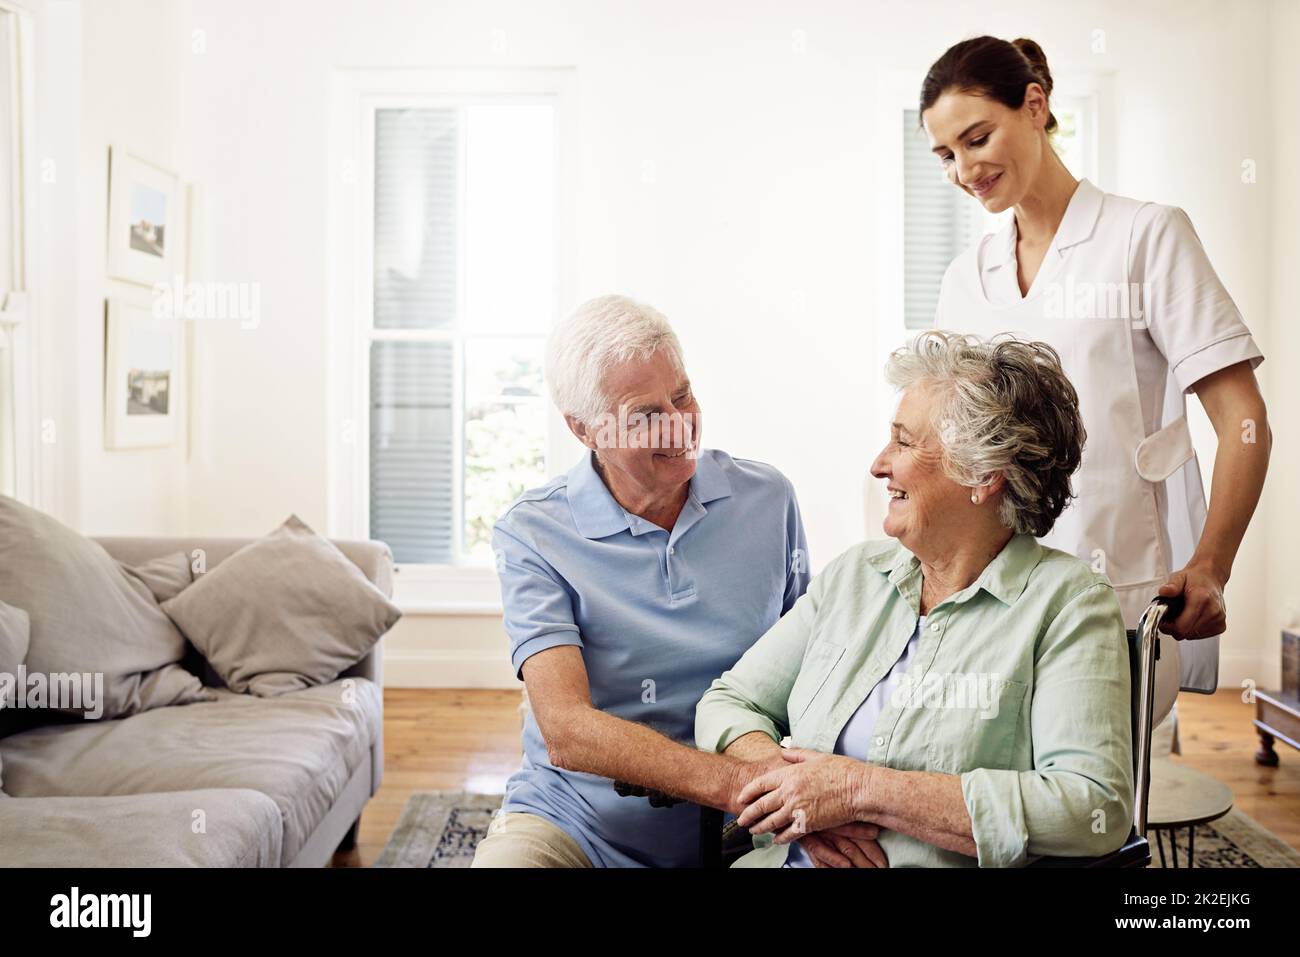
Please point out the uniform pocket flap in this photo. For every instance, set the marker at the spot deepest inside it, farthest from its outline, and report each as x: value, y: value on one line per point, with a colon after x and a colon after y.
x: 1162, y: 453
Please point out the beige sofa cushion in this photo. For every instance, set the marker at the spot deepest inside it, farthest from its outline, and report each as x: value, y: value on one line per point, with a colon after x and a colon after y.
x: 284, y: 613
x: 229, y: 827
x: 300, y: 749
x: 15, y: 633
x: 88, y: 617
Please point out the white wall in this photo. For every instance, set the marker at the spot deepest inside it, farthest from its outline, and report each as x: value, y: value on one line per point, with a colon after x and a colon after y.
x: 106, y: 73
x: 1277, y: 577
x: 57, y: 93
x: 755, y: 235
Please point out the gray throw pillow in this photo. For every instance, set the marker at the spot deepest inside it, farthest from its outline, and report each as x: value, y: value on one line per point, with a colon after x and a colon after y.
x: 88, y: 618
x: 286, y: 612
x: 15, y: 633
x: 165, y: 577
x: 15, y: 636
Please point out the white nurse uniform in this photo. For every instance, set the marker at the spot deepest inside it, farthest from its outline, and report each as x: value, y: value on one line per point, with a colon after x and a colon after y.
x: 1127, y: 296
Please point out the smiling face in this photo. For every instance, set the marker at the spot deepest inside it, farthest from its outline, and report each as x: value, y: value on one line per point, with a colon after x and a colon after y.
x: 987, y: 150
x: 656, y: 454
x: 926, y: 507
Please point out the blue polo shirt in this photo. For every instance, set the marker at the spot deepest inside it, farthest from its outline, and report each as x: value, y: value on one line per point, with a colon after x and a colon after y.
x: 658, y: 616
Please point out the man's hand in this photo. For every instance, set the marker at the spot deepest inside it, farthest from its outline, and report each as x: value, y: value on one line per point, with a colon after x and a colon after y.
x: 746, y: 772
x: 848, y: 845
x: 812, y: 792
x: 1204, y: 614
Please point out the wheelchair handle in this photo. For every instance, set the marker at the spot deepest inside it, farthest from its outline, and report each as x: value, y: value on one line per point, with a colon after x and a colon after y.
x: 1173, y: 605
x: 1161, y: 607
x: 656, y: 798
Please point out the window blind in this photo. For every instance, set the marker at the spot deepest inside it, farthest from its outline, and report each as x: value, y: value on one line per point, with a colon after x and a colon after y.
x: 412, y: 432
x: 417, y: 194
x: 939, y: 221
x: 417, y: 163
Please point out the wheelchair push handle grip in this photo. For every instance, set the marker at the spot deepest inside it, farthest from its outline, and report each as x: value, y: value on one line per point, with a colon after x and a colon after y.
x: 657, y: 798
x: 1173, y: 605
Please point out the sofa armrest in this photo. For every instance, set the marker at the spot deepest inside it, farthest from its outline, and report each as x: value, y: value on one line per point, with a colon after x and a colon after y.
x: 375, y: 559
x: 371, y: 667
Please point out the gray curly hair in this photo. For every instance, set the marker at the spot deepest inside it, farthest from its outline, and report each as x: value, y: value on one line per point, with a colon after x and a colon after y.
x: 1002, y: 405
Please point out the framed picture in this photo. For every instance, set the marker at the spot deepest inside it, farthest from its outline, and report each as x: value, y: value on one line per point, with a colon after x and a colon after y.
x: 144, y: 220
x: 142, y: 362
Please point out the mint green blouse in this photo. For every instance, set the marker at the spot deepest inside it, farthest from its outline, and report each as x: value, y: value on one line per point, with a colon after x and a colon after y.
x: 1020, y: 685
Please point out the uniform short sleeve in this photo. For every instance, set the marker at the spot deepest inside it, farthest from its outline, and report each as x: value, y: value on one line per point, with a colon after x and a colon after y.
x: 537, y: 604
x: 1189, y: 313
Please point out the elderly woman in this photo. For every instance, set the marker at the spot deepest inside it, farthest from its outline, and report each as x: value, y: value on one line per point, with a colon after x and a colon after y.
x: 962, y: 687
x: 629, y: 584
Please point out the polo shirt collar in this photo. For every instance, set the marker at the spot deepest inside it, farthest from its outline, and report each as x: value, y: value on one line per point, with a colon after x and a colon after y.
x: 1078, y: 224
x: 597, y: 514
x: 709, y: 482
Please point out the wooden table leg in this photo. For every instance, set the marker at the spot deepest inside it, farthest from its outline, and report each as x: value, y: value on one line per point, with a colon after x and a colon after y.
x: 1266, y: 756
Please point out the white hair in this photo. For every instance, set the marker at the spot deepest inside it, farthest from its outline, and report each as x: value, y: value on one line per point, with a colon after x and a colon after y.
x: 600, y: 334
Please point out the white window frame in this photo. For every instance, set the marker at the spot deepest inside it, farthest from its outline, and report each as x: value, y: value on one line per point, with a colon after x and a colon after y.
x: 21, y: 473
x: 431, y: 589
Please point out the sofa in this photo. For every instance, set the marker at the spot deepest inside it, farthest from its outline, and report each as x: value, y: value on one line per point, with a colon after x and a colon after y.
x: 239, y: 781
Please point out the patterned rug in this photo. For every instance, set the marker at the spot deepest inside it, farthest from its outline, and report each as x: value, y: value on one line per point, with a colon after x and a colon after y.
x: 439, y: 829
x: 442, y: 828
x: 1234, y: 840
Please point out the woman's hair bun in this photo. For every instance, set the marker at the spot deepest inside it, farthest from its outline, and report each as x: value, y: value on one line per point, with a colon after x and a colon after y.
x: 993, y: 67
x: 1037, y: 59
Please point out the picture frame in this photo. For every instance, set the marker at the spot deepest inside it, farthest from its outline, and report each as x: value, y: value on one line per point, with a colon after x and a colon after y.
x: 145, y: 220
x: 142, y: 370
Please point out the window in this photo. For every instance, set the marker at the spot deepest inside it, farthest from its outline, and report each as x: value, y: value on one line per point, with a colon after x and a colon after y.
x: 463, y: 293
x: 940, y: 221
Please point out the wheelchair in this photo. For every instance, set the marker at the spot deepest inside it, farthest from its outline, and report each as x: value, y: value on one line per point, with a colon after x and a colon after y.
x: 722, y: 844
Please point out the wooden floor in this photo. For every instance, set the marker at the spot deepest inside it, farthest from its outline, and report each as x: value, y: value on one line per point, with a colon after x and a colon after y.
x: 469, y: 740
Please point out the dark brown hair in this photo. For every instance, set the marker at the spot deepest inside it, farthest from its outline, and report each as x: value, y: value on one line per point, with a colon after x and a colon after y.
x: 990, y: 67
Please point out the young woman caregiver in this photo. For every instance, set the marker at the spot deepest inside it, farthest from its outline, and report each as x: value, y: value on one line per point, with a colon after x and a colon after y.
x: 1126, y: 294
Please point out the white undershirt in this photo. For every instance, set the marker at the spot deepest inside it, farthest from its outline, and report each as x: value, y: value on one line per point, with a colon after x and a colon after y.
x: 855, y: 738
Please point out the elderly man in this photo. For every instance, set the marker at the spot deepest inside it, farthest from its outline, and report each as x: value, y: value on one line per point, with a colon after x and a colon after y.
x: 629, y: 584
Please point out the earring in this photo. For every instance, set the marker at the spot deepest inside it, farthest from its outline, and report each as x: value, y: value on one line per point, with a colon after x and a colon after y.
x: 974, y: 498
